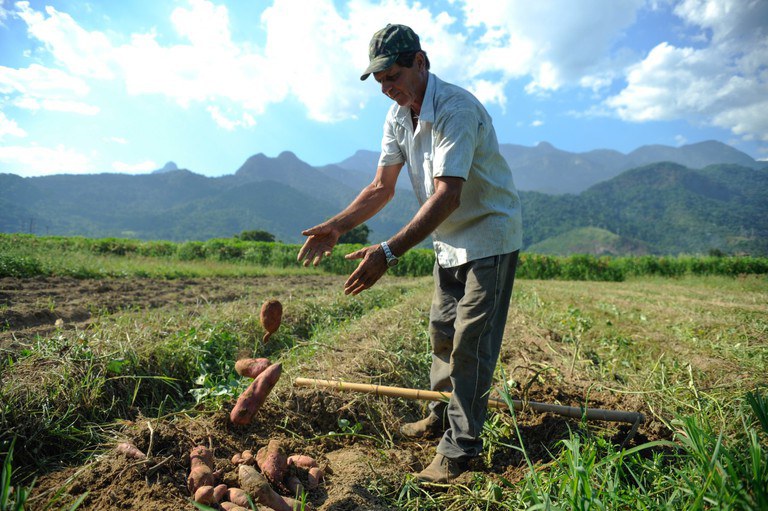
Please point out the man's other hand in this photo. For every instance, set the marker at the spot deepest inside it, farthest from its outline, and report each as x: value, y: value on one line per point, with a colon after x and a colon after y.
x: 322, y: 238
x: 368, y: 272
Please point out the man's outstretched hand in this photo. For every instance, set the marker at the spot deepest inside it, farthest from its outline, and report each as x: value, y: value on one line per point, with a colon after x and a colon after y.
x: 368, y: 272
x: 322, y: 238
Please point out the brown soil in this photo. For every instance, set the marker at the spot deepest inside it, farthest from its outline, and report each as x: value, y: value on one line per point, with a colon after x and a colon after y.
x: 300, y: 418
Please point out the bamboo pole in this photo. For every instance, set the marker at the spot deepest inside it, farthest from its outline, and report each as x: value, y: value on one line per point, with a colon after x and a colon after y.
x: 576, y: 412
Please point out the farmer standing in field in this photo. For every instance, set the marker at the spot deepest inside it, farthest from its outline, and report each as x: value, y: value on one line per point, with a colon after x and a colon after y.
x: 470, y: 206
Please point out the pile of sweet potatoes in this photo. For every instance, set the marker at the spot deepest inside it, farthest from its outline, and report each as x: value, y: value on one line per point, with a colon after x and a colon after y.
x: 256, y: 475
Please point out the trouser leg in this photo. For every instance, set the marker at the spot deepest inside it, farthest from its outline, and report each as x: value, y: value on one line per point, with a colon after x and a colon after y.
x: 465, y: 350
x: 448, y: 292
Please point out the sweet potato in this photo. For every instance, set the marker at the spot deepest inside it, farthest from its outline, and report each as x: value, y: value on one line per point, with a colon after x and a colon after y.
x: 201, y: 469
x: 315, y: 474
x: 231, y: 506
x: 205, y: 495
x: 271, y: 315
x: 220, y: 493
x: 273, y: 462
x: 294, y: 486
x: 258, y: 488
x: 130, y: 450
x: 255, y: 395
x: 244, y: 458
x: 251, y: 367
x: 238, y: 496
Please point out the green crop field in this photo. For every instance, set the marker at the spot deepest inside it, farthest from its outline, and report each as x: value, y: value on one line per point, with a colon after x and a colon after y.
x: 109, y: 341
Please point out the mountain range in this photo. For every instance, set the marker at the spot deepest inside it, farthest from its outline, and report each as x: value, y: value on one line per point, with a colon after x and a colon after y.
x: 657, y: 199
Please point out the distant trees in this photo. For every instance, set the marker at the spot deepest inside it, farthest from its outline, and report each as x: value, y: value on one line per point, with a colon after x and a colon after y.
x: 256, y: 236
x: 357, y: 235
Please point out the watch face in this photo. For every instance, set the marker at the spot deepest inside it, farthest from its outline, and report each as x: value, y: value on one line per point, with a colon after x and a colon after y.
x: 392, y: 262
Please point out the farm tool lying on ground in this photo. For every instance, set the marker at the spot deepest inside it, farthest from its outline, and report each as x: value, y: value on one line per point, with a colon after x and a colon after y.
x: 576, y: 412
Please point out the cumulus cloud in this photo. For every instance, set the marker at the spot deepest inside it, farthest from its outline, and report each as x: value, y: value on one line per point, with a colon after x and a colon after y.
x: 724, y: 82
x: 39, y: 161
x: 556, y: 43
x: 313, y: 51
x: 82, y: 52
x: 9, y: 127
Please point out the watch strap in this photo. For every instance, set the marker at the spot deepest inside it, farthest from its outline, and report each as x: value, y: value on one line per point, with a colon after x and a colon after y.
x: 388, y: 253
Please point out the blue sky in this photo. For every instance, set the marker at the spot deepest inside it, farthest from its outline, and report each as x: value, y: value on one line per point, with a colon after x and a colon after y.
x: 89, y: 86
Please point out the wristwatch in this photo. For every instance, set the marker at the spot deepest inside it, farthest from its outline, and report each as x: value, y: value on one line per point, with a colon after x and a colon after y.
x: 391, y: 259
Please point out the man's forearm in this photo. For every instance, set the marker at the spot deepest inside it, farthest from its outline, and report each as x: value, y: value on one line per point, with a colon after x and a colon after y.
x: 368, y: 202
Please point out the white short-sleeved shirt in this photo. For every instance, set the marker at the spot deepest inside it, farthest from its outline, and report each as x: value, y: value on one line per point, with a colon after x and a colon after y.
x: 455, y: 138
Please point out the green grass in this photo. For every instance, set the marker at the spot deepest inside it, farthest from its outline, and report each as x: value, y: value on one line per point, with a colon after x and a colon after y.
x: 690, y: 350
x: 29, y: 256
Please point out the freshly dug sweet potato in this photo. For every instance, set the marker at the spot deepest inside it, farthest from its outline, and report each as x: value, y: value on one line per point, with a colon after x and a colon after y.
x: 220, y: 493
x: 201, y: 468
x: 255, y: 395
x: 231, y: 506
x: 257, y: 486
x: 273, y: 462
x: 293, y: 485
x: 315, y: 474
x: 238, y: 496
x: 271, y: 316
x: 251, y: 367
x: 205, y: 495
x: 248, y: 457
x: 244, y: 458
x: 130, y: 450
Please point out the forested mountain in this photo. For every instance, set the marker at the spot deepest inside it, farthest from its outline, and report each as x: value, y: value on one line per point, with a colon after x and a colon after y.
x: 547, y: 169
x: 664, y: 208
x: 660, y: 208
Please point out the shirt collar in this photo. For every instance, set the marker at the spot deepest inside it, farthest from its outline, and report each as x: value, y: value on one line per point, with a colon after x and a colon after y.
x: 427, y: 113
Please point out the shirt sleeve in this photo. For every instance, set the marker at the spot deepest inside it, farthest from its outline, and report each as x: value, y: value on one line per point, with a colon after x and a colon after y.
x: 454, y: 144
x: 391, y: 153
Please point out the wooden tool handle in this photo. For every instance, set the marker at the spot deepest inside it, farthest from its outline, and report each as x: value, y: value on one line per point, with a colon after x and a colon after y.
x: 575, y: 412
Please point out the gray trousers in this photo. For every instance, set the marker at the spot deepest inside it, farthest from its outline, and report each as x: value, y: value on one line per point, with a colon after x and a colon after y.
x: 466, y: 326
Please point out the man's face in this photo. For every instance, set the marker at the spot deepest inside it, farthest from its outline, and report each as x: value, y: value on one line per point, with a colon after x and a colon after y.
x: 404, y: 85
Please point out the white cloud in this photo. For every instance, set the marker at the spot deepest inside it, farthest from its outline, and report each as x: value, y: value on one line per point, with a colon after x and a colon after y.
x: 42, y: 88
x: 9, y: 127
x: 128, y: 168
x: 557, y: 42
x: 315, y: 50
x: 80, y: 51
x: 489, y: 92
x: 724, y: 83
x: 37, y: 161
x: 39, y: 81
x: 228, y: 123
x: 56, y: 105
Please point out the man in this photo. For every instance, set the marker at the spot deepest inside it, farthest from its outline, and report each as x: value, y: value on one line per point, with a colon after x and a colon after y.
x: 470, y: 206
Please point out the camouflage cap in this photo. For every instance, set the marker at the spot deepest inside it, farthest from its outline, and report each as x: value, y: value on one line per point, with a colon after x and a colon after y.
x: 387, y: 44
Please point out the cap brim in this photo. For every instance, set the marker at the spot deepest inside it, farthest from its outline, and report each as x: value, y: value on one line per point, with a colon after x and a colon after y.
x: 379, y: 63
